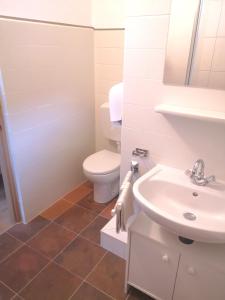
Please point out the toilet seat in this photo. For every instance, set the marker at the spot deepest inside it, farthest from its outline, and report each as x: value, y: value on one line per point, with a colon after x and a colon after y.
x: 102, y: 162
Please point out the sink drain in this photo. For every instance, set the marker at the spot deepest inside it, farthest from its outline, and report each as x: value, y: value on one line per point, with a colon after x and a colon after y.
x: 189, y: 216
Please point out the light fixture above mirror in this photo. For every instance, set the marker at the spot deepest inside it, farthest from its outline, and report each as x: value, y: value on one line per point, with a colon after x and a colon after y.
x: 196, y: 44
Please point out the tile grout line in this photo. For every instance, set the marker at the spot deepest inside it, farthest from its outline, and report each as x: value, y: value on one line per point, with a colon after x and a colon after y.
x: 17, y: 295
x: 42, y: 229
x: 85, y: 278
x: 23, y: 244
x: 53, y: 259
x: 39, y: 253
x: 73, y: 274
x: 103, y: 292
x: 30, y: 238
x: 79, y: 235
x: 23, y: 288
x: 8, y: 287
x: 11, y: 253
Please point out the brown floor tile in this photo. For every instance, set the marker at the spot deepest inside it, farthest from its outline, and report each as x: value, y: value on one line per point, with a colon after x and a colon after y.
x: 7, y: 245
x: 78, y: 194
x: 5, y: 293
x: 20, y: 267
x: 92, y: 232
x: 134, y: 294
x: 53, y: 283
x: 106, y: 213
x: 80, y: 257
x: 109, y: 276
x: 17, y: 297
x: 76, y: 218
x: 87, y: 292
x: 51, y: 240
x: 56, y: 209
x: 24, y: 232
x: 89, y: 203
x: 89, y: 184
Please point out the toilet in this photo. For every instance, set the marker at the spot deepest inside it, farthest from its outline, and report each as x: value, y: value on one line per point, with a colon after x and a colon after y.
x: 103, y: 167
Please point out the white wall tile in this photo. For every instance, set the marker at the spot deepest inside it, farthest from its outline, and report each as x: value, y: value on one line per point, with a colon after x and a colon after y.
x: 144, y: 63
x: 218, y: 63
x: 217, y: 80
x: 200, y: 78
x: 109, y: 72
x: 50, y: 108
x: 210, y: 16
x: 221, y: 29
x: 140, y: 32
x: 74, y: 12
x: 108, y: 13
x: 109, y: 55
x: 147, y: 7
x: 109, y: 38
x: 139, y: 91
x: 112, y: 56
x: 144, y: 118
x: 206, y: 53
x: 171, y: 140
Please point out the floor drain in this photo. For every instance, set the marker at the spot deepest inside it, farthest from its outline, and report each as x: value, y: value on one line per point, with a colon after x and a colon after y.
x: 189, y: 216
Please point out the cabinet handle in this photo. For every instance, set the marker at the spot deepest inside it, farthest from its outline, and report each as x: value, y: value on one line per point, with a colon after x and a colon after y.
x: 165, y: 258
x: 191, y: 271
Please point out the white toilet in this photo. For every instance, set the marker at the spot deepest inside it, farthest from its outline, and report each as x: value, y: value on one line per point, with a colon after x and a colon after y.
x: 103, y: 167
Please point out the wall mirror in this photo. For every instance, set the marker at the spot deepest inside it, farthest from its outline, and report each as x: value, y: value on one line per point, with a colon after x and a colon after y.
x: 196, y: 44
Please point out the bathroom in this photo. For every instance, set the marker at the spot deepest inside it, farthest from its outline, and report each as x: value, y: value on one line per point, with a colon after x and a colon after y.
x: 59, y: 62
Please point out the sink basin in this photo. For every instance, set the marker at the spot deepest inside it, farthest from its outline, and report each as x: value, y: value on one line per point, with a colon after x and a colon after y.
x: 169, y: 198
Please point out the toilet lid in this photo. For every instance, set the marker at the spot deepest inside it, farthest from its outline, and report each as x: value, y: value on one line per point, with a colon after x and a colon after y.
x: 102, y: 162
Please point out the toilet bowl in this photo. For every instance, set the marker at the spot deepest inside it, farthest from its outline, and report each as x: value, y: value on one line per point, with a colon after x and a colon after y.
x: 103, y: 169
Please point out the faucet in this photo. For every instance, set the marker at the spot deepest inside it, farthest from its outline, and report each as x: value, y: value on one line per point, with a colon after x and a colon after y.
x: 197, y: 174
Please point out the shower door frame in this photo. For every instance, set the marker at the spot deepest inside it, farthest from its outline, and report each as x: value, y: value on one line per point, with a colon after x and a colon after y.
x: 7, y: 171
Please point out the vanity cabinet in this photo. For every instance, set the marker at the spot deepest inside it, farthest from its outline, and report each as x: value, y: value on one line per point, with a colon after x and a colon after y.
x: 152, y: 265
x: 197, y: 279
x: 161, y: 266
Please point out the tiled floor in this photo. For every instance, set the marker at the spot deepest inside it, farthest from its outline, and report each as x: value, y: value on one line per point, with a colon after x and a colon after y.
x: 58, y: 255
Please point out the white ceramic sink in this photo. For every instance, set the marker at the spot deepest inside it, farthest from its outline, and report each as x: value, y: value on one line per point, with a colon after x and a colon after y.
x: 169, y: 198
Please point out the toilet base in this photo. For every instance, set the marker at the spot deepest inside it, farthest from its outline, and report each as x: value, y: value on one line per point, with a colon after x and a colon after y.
x: 104, y: 192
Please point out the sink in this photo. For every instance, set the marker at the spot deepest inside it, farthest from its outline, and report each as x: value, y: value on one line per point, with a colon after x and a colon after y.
x: 170, y: 199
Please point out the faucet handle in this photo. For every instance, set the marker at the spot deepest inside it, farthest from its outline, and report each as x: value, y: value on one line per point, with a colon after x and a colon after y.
x: 211, y: 178
x: 188, y: 172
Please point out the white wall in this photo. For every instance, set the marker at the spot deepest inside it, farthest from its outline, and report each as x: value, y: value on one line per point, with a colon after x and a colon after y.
x: 65, y: 11
x: 208, y: 68
x: 173, y: 141
x: 108, y: 13
x: 109, y: 52
x: 48, y: 75
x: 96, y: 13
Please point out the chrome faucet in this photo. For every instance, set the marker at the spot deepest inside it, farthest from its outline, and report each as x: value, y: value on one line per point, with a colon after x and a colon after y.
x: 197, y: 174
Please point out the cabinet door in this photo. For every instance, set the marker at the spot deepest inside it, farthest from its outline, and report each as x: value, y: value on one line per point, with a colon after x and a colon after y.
x: 198, y: 280
x: 152, y: 267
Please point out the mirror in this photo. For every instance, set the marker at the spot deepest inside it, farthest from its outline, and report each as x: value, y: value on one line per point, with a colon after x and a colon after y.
x: 196, y: 44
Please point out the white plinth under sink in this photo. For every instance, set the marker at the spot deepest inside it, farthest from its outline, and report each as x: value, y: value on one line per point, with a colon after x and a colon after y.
x: 112, y: 241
